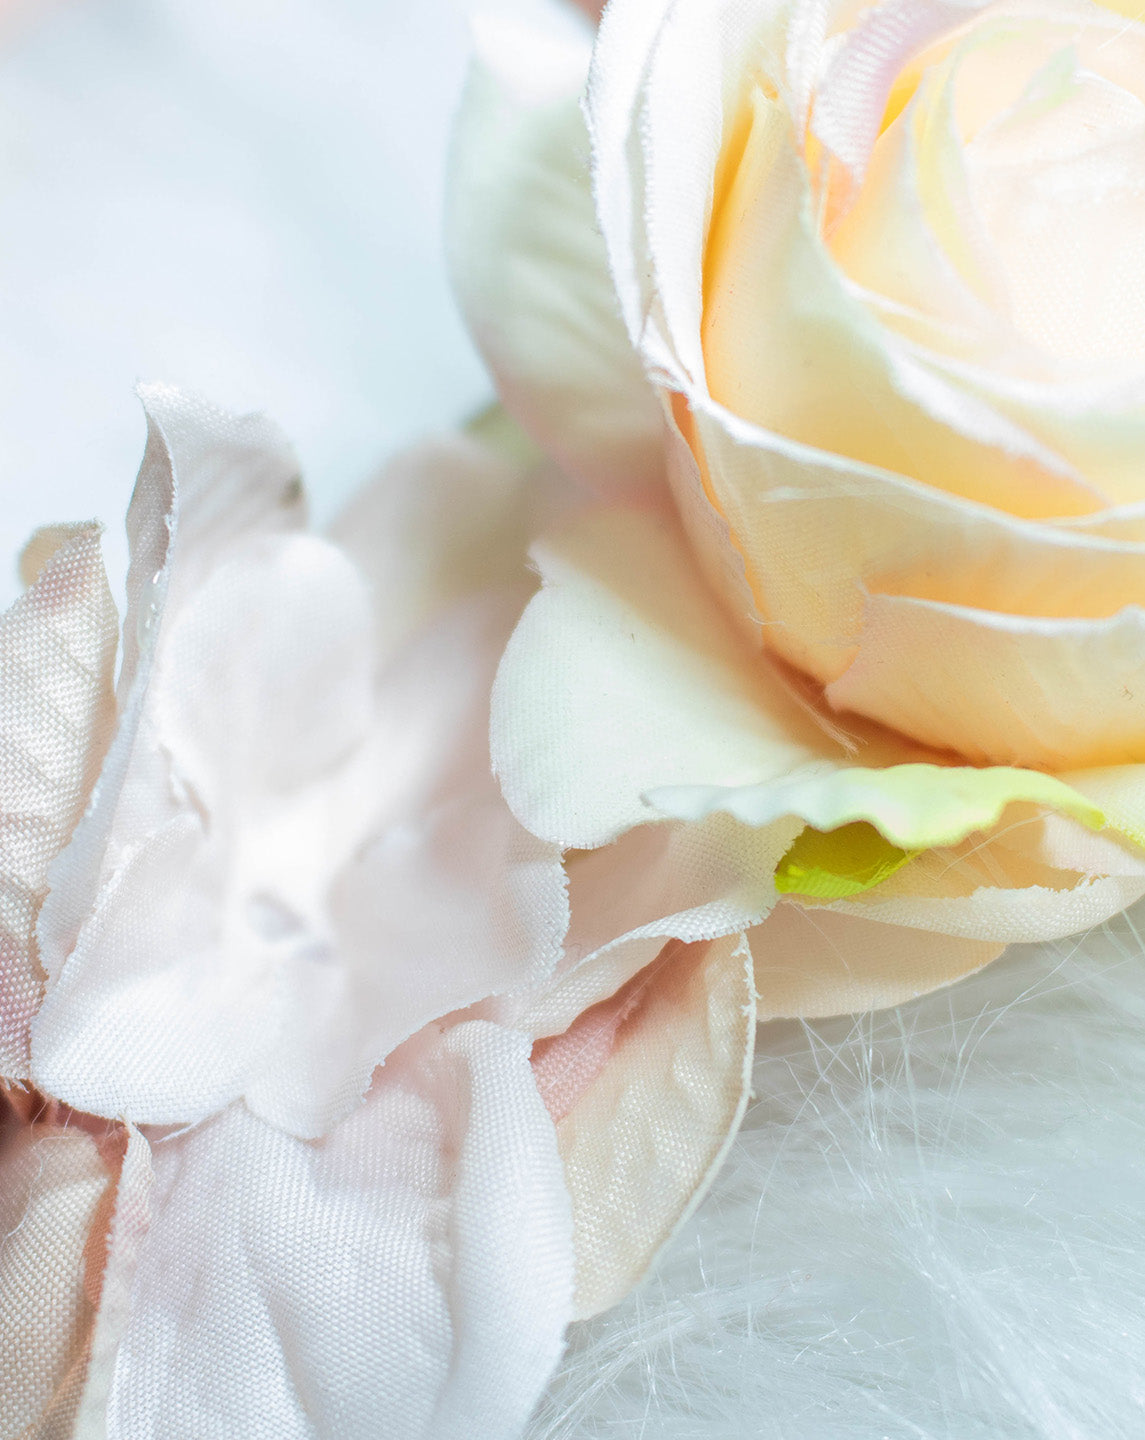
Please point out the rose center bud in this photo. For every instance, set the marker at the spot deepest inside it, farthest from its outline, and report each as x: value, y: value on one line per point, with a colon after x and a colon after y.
x: 1014, y: 157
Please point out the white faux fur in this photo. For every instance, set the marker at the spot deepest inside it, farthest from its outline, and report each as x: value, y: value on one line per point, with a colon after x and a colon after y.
x: 932, y: 1227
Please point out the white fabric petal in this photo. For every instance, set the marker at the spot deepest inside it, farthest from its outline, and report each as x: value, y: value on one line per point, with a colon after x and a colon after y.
x: 208, y: 484
x: 57, y: 654
x: 410, y: 1275
x: 282, y: 960
x: 264, y: 681
x: 530, y: 267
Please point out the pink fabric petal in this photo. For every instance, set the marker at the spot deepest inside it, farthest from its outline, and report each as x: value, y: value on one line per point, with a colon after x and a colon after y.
x: 279, y: 638
x: 446, y: 519
x: 54, y: 1182
x: 648, y: 1089
x: 409, y: 1275
x: 119, y: 1252
x: 57, y: 653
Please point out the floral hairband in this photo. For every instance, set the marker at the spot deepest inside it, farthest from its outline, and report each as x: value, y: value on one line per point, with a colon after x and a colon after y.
x: 382, y: 946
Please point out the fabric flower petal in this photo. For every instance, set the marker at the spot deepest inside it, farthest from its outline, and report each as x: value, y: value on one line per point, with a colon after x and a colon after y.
x: 530, y: 267
x: 408, y: 1275
x: 818, y: 962
x: 1001, y: 688
x: 280, y: 638
x: 789, y: 349
x: 624, y: 675
x: 691, y: 883
x: 119, y: 1249
x: 57, y: 655
x: 915, y: 806
x: 818, y: 532
x: 647, y: 1089
x: 208, y: 484
x: 284, y: 969
x: 53, y: 1183
x: 447, y: 518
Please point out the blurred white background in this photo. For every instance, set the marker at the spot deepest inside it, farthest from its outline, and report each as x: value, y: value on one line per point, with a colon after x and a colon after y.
x: 240, y: 196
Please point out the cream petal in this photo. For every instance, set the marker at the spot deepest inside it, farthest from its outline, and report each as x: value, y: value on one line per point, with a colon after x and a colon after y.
x: 914, y: 806
x: 209, y: 484
x: 57, y: 657
x: 1120, y: 792
x: 624, y: 675
x: 1006, y: 915
x: 888, y: 240
x: 1027, y: 880
x: 1097, y: 425
x: 814, y: 963
x: 384, y: 1281
x: 1001, y: 689
x: 53, y: 1182
x: 530, y: 267
x: 648, y: 1090
x: 788, y: 348
x: 819, y: 532
x: 705, y: 48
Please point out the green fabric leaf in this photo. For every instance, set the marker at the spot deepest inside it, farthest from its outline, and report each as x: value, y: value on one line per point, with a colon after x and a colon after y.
x: 834, y: 864
x: 914, y: 807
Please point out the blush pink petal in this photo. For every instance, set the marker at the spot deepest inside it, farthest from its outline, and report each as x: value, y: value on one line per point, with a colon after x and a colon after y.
x: 57, y: 653
x: 285, y: 801
x: 648, y: 1089
x: 58, y: 1181
x: 208, y: 484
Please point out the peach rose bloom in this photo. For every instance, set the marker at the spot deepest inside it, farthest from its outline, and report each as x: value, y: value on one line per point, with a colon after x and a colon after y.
x: 839, y: 312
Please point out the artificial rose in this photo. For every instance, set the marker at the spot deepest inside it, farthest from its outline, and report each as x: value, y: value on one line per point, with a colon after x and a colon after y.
x: 849, y: 660
x: 262, y: 1175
